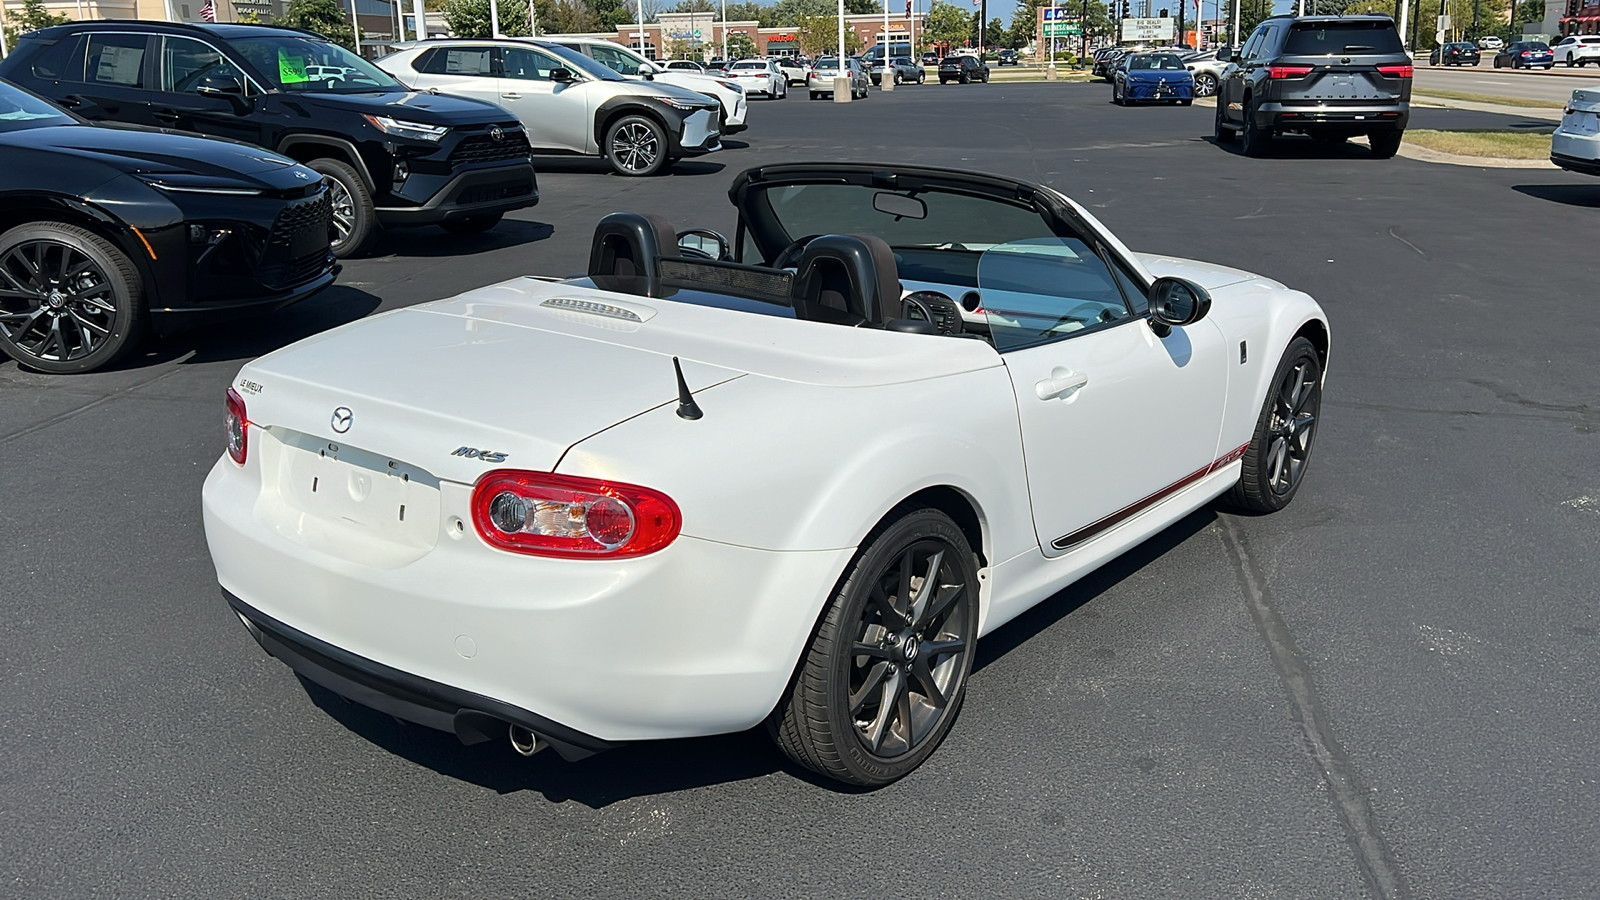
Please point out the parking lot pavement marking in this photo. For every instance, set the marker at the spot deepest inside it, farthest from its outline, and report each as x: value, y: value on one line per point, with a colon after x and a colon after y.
x: 1377, y: 862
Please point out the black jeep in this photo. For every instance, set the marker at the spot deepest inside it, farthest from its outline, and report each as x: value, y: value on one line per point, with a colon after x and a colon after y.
x: 1332, y: 78
x: 391, y: 156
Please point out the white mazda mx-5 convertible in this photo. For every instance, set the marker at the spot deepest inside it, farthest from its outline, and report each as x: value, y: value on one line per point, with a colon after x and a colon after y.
x: 790, y: 478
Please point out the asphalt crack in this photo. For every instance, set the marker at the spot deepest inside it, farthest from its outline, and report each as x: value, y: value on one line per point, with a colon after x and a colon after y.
x: 63, y: 416
x: 1373, y: 857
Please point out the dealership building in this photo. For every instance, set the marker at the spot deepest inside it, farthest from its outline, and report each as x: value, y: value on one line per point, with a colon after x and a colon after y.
x: 700, y: 35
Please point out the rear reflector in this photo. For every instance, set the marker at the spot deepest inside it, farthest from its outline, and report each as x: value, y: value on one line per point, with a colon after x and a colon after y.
x: 1288, y: 71
x: 1397, y: 71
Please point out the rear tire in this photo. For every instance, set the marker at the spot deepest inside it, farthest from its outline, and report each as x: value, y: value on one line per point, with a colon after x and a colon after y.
x: 1253, y: 139
x: 1275, y: 463
x: 886, y: 638
x: 472, y: 224
x: 355, y: 216
x: 1385, y: 144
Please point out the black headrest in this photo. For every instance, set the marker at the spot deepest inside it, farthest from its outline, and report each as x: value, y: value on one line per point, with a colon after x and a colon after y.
x: 625, y: 251
x: 848, y: 279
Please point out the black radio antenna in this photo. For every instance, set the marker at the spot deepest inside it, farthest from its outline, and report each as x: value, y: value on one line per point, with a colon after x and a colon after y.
x: 687, y: 408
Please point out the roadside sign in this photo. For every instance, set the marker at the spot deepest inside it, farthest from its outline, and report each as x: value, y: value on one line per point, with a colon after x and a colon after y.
x: 1160, y: 29
x: 1062, y: 29
x: 1444, y: 23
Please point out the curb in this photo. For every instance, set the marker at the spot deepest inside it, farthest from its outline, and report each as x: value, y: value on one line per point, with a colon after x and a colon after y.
x: 1439, y: 157
x: 1520, y: 73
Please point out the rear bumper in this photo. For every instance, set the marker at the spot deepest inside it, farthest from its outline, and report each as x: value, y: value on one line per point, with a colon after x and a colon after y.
x: 1582, y: 165
x: 473, y: 193
x: 1375, y: 117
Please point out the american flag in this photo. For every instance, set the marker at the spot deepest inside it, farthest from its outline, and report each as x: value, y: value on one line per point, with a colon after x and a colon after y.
x: 209, y: 11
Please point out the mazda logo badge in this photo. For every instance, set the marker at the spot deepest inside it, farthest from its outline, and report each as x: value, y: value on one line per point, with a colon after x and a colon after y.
x: 496, y: 133
x: 342, y: 417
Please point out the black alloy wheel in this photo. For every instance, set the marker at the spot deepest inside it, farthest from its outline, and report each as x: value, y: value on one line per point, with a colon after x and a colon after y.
x: 1280, y: 449
x: 70, y: 300
x: 883, y: 678
x: 636, y: 145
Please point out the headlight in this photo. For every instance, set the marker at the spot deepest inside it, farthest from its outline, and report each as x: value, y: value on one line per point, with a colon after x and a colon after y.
x: 414, y: 130
x: 685, y: 105
x: 185, y: 183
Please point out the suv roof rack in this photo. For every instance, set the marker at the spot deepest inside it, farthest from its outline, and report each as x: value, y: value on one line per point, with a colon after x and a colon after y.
x: 197, y: 27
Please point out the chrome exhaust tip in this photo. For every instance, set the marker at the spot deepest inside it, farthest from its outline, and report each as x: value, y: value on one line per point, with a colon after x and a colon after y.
x: 524, y: 741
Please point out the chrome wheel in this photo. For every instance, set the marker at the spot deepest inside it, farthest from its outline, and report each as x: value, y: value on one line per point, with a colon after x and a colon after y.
x: 344, y: 211
x: 1205, y: 85
x: 1292, y: 426
x: 636, y: 147
x: 909, y: 655
x: 57, y: 304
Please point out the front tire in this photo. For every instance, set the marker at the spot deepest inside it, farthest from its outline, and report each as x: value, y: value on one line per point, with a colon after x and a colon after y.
x: 1280, y: 449
x: 71, y: 300
x: 1205, y: 85
x: 1253, y: 139
x: 636, y: 146
x: 883, y: 678
x: 1224, y: 132
x: 355, y: 216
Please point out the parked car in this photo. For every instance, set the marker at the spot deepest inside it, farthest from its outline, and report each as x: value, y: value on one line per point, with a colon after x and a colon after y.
x: 1152, y: 78
x: 567, y: 102
x: 107, y: 233
x: 962, y: 69
x: 631, y: 65
x: 929, y: 58
x: 580, y: 568
x: 1207, y: 70
x: 1490, y: 42
x: 1290, y: 64
x: 393, y: 156
x: 1008, y: 57
x: 905, y: 71
x: 717, y: 66
x: 683, y: 65
x: 1577, y: 49
x: 819, y: 81
x: 1105, y: 62
x: 760, y: 76
x: 1458, y: 53
x: 792, y: 68
x: 1575, y: 146
x: 1525, y: 55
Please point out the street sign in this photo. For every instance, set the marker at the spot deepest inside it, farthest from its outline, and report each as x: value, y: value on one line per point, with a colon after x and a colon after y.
x: 1444, y: 23
x: 1062, y: 29
x: 1160, y: 29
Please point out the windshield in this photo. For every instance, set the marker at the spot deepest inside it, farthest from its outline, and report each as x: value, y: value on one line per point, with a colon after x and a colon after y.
x: 750, y: 65
x: 20, y: 110
x: 1162, y: 61
x: 294, y: 63
x: 826, y: 63
x: 584, y: 64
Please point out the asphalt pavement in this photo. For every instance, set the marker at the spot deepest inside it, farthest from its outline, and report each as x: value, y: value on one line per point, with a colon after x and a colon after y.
x: 1387, y: 689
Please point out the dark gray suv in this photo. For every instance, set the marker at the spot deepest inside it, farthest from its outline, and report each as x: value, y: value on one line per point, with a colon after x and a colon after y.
x: 1332, y: 78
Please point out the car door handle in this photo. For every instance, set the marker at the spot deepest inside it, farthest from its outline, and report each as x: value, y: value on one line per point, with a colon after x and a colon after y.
x: 166, y: 115
x: 71, y: 101
x: 1060, y: 383
x: 511, y: 96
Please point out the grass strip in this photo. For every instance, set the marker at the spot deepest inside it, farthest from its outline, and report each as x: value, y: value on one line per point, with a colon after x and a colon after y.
x: 1488, y: 98
x: 1492, y: 144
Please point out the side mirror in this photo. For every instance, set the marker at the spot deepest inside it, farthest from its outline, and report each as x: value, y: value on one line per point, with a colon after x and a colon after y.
x: 1176, y: 302
x: 560, y: 75
x: 225, y: 85
x: 703, y: 243
x: 1224, y: 54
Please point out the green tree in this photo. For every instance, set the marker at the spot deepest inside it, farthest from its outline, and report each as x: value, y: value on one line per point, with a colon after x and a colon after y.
x: 740, y: 46
x: 325, y: 17
x: 947, y: 23
x: 819, y: 35
x: 749, y: 11
x: 860, y: 7
x: 995, y: 33
x: 31, y: 17
x: 693, y: 6
x: 790, y: 12
x: 470, y: 18
x: 612, y: 13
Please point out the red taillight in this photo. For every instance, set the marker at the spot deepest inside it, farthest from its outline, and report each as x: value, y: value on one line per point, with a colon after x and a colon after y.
x: 1526, y: 53
x: 1288, y: 71
x: 237, y: 426
x: 572, y: 518
x: 1397, y: 71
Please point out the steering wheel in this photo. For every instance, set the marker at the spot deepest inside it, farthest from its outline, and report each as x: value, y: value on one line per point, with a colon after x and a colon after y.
x: 935, y: 308
x: 790, y: 256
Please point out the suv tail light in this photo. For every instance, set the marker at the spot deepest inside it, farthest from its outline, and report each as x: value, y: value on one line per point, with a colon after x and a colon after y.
x: 237, y: 427
x: 1276, y: 72
x: 1397, y: 71
x: 571, y: 518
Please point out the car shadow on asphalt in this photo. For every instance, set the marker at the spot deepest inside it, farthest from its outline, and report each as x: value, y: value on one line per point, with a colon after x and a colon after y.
x: 431, y: 241
x: 663, y: 767
x: 585, y: 165
x: 250, y: 336
x: 1300, y: 147
x: 1585, y: 195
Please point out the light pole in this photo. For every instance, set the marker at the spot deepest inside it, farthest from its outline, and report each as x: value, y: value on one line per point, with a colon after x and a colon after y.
x: 355, y: 25
x: 494, y: 16
x: 1235, y: 24
x: 641, y: 27
x: 887, y: 83
x: 420, y: 27
x: 843, y: 92
x: 725, y: 32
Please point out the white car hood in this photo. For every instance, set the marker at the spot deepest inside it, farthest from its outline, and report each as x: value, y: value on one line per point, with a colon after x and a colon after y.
x: 500, y: 370
x: 1207, y: 275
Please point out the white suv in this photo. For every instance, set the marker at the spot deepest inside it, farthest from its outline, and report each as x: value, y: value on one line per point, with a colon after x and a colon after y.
x: 631, y: 65
x: 1577, y: 49
x: 567, y: 102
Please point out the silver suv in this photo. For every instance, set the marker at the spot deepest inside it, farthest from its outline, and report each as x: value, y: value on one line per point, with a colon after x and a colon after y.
x: 566, y: 101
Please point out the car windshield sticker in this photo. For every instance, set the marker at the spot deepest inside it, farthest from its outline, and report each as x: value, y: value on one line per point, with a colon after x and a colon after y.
x: 291, y: 69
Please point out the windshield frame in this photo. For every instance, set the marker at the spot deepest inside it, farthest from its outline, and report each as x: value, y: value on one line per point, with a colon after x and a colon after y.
x: 271, y: 82
x: 13, y: 126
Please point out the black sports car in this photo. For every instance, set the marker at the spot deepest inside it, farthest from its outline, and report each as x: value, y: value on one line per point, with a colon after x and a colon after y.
x: 107, y: 231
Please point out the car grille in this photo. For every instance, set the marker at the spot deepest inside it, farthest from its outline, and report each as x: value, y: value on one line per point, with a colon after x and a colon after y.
x: 486, y: 192
x: 297, y: 246
x: 481, y: 148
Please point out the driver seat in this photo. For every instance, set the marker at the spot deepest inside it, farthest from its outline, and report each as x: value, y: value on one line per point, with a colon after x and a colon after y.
x: 846, y: 279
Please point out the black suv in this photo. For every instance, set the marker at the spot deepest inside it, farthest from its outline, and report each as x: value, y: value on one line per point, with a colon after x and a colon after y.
x: 392, y: 156
x: 965, y: 69
x: 1330, y: 78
